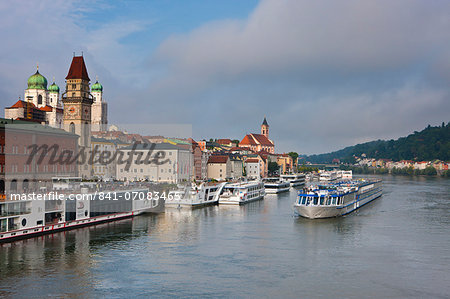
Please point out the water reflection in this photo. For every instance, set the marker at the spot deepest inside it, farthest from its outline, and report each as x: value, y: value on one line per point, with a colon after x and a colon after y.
x: 260, y: 249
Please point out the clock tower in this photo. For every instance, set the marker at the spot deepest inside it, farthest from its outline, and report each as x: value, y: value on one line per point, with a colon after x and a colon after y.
x: 78, y: 101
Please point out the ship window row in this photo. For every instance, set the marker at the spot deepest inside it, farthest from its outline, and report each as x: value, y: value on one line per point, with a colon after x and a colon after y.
x: 323, y: 201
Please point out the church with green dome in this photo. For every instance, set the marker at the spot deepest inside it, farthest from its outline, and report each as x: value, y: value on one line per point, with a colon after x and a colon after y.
x: 43, y: 102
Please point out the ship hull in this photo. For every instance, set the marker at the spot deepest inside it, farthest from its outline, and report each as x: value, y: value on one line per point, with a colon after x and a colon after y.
x: 330, y: 211
x: 232, y: 201
x: 49, y: 228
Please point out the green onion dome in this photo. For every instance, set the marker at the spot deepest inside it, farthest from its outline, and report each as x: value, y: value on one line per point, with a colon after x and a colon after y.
x: 53, y: 88
x: 37, y: 81
x: 96, y: 87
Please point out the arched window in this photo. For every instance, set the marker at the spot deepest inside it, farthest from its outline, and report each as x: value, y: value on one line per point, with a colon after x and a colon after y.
x: 72, y: 128
x: 39, y: 99
x: 13, y: 187
x: 25, y: 185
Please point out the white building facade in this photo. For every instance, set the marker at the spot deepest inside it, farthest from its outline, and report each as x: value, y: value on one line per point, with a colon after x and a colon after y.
x: 167, y: 163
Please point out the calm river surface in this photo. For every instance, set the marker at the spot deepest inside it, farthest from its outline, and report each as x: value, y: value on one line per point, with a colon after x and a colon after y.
x: 396, y: 247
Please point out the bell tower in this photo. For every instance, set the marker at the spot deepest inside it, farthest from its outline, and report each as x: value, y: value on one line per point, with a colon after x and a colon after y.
x: 78, y: 101
x: 265, y: 128
x: 99, y: 117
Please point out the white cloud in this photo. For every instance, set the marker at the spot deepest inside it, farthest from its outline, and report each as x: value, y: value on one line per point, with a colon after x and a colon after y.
x: 328, y: 73
x: 48, y: 32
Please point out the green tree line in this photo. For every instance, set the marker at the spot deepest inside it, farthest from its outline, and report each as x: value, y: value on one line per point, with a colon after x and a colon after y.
x: 429, y: 144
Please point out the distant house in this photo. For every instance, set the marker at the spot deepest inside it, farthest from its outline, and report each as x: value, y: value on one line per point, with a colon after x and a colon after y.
x: 236, y: 168
x: 421, y: 165
x: 252, y: 168
x: 226, y: 142
x: 286, y: 163
x: 219, y: 167
x: 200, y: 161
x: 263, y: 162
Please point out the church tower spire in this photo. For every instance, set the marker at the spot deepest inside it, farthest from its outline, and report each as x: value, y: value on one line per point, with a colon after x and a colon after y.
x: 265, y: 128
x: 99, y: 108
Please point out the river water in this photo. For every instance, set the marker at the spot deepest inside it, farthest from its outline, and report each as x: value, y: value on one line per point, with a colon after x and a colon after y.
x: 395, y: 247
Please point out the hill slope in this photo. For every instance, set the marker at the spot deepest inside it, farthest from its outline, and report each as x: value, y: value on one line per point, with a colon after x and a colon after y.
x: 429, y: 144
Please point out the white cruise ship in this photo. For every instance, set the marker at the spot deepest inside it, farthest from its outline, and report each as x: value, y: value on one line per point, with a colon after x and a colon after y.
x: 294, y: 179
x: 195, y: 196
x: 29, y: 216
x: 242, y: 193
x: 345, y: 174
x: 336, y: 199
x: 275, y: 185
x: 328, y: 176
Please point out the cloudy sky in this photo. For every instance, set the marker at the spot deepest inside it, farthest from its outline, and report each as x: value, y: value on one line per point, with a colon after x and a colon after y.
x: 327, y: 74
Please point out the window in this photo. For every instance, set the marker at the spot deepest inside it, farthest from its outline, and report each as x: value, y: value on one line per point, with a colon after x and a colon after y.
x: 86, y: 133
x: 39, y: 99
x: 74, y: 86
x: 72, y: 128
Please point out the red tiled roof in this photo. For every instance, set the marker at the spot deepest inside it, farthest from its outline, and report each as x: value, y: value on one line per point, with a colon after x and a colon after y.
x: 224, y: 141
x: 248, y: 140
x: 263, y: 140
x: 46, y: 109
x: 252, y: 160
x: 218, y: 159
x: 264, y: 153
x: 78, y: 69
x: 30, y: 120
x: 236, y: 148
x: 21, y: 104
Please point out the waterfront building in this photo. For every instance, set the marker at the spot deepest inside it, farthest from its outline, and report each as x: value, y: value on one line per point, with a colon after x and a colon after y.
x: 421, y: 165
x: 219, y: 167
x: 175, y: 165
x: 252, y: 168
x: 263, y: 164
x: 200, y: 158
x: 237, y: 167
x: 285, y: 163
x: 101, y: 146
x: 23, y: 171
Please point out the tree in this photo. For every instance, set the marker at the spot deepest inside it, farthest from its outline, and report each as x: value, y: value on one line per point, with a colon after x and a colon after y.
x: 294, y: 156
x: 431, y: 143
x: 235, y: 141
x: 273, y: 167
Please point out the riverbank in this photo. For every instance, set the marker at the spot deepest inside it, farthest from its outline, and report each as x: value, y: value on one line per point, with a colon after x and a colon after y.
x: 408, y: 171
